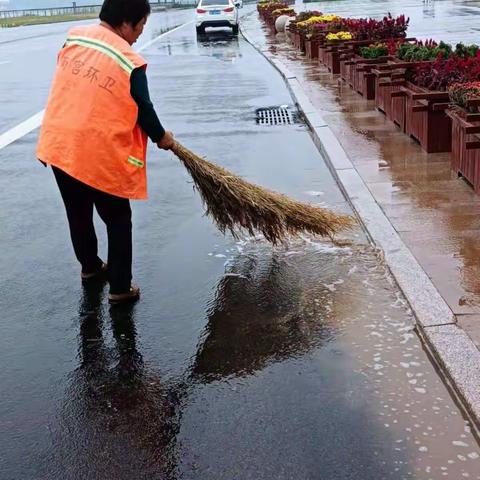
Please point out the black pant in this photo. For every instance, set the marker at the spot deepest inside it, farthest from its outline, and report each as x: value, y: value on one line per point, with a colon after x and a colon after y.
x: 79, y: 200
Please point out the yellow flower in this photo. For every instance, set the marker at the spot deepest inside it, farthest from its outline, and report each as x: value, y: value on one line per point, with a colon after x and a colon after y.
x: 340, y: 36
x: 282, y: 10
x: 319, y: 19
x: 329, y: 18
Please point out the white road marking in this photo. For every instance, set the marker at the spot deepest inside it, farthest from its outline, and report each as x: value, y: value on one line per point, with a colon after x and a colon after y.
x: 151, y: 42
x: 35, y: 121
x: 21, y: 130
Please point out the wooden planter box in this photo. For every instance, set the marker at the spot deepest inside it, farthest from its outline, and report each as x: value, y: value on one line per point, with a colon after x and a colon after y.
x: 466, y: 146
x: 364, y: 80
x: 332, y: 57
x: 425, y: 119
x: 386, y: 83
x: 347, y: 68
x: 322, y: 51
x: 398, y: 108
x: 350, y: 60
x: 357, y: 72
x: 347, y: 51
x: 301, y: 42
x: 295, y: 39
x: 311, y: 49
x: 418, y: 112
x: 389, y: 78
x: 332, y: 52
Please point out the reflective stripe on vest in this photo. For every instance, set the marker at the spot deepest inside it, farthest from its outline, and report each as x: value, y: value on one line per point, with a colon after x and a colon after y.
x: 136, y: 162
x: 104, y: 48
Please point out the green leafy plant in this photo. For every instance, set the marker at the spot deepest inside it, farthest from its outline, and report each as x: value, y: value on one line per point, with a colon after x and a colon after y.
x: 465, y: 51
x: 423, y: 51
x: 374, y: 51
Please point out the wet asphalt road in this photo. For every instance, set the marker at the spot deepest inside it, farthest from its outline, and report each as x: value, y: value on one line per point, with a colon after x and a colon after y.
x: 240, y: 361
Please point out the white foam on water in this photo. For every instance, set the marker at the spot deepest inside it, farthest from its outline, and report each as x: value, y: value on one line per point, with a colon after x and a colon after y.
x: 291, y: 253
x: 238, y: 275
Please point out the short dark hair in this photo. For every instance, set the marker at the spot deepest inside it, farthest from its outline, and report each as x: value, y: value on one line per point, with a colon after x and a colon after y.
x: 115, y: 12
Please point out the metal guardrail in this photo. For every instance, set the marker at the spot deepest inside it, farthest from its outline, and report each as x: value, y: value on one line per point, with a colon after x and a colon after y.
x: 86, y: 9
x: 80, y: 10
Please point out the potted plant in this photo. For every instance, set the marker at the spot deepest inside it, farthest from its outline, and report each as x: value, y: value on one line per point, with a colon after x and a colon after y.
x: 365, y: 32
x: 351, y: 57
x: 424, y: 99
x: 465, y: 116
x: 315, y: 26
x: 314, y: 38
x: 390, y: 77
x: 332, y: 51
x: 265, y: 10
x: 359, y: 67
x: 298, y: 26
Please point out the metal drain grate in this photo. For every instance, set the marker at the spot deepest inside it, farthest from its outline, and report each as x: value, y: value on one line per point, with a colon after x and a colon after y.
x: 275, y: 116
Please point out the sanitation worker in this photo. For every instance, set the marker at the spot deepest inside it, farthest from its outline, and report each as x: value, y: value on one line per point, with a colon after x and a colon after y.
x: 94, y: 135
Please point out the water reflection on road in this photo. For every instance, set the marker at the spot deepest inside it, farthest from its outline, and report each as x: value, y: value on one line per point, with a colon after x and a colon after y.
x: 311, y: 343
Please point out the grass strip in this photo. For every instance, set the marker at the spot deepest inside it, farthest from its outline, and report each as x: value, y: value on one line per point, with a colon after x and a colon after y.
x: 39, y: 20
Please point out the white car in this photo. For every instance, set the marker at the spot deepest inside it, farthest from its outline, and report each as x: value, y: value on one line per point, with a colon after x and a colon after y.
x: 217, y: 13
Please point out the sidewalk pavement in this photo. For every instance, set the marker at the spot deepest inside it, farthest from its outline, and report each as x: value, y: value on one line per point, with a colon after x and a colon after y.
x: 426, y: 220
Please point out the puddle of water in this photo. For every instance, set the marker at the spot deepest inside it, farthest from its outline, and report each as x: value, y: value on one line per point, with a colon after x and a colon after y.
x: 311, y: 300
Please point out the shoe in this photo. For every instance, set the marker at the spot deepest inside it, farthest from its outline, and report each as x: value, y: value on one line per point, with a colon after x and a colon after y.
x: 99, y: 274
x: 128, y: 297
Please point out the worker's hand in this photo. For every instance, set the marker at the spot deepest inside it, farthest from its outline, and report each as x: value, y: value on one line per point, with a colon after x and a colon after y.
x: 167, y: 142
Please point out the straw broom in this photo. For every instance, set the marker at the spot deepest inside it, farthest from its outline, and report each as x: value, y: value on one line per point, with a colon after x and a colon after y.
x: 235, y: 204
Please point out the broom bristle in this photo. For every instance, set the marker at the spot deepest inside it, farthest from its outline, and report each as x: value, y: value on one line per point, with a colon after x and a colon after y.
x: 235, y: 204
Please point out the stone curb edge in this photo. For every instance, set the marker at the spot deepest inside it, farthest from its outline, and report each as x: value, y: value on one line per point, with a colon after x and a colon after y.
x: 453, y: 350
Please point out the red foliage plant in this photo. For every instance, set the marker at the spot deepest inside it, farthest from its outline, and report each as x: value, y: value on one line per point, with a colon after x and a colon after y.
x: 442, y: 73
x: 371, y: 29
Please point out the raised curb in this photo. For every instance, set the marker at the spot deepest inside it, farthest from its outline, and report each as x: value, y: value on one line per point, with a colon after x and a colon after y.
x: 452, y: 348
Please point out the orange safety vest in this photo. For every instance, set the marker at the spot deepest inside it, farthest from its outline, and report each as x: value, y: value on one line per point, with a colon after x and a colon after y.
x: 90, y: 128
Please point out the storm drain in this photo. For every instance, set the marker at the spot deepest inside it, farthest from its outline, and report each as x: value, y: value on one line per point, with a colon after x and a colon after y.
x: 276, y: 116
